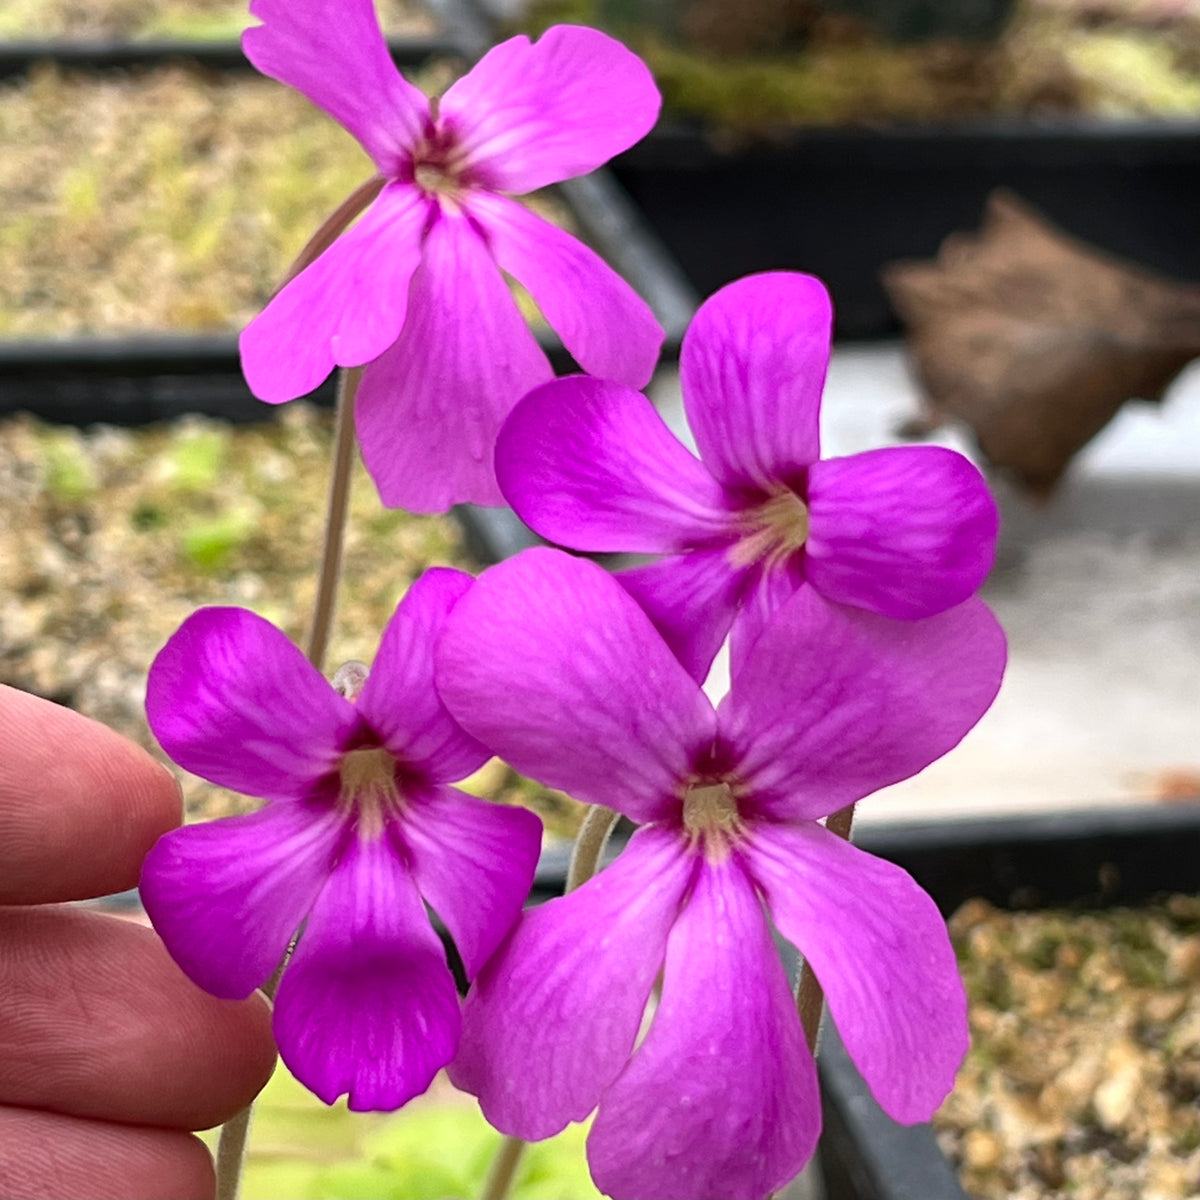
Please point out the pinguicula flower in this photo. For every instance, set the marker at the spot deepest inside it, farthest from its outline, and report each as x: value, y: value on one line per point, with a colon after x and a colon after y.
x: 554, y: 666
x: 905, y: 531
x: 359, y: 831
x: 415, y: 288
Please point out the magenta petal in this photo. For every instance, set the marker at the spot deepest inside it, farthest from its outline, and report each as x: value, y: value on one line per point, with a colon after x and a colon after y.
x: 590, y: 464
x: 721, y: 1099
x: 691, y: 598
x: 429, y: 409
x: 342, y: 310
x: 603, y: 322
x: 833, y: 703
x: 232, y: 700
x: 333, y: 52
x: 473, y: 862
x: 880, y: 950
x: 367, y: 1005
x: 906, y: 531
x: 753, y: 367
x: 527, y: 115
x: 772, y: 588
x: 227, y: 896
x: 553, y: 1016
x: 399, y: 700
x: 553, y: 666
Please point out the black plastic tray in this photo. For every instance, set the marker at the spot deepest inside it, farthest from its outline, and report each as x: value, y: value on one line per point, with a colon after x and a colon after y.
x: 1085, y: 860
x: 841, y: 203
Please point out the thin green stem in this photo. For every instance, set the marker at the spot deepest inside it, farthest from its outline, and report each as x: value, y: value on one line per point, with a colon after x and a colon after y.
x: 811, y: 996
x: 334, y: 226
x: 598, y: 824
x: 504, y: 1168
x: 231, y: 1146
x: 335, y: 516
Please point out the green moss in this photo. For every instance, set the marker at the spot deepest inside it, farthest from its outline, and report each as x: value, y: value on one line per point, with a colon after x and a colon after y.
x: 195, y: 458
x: 839, y: 71
x: 210, y: 545
x: 67, y: 470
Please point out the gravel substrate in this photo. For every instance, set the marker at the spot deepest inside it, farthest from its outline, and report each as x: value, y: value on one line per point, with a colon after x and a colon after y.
x: 168, y: 200
x: 165, y: 200
x: 1084, y: 1072
x: 112, y: 537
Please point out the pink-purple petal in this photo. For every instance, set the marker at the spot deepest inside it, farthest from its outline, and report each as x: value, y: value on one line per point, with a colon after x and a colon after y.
x: 367, y: 1006
x: 473, y: 862
x: 590, y: 464
x: 691, y: 598
x: 833, y: 703
x: 333, y: 52
x: 399, y: 700
x: 552, y: 1018
x: 906, y: 531
x: 721, y: 1098
x: 603, y: 322
x: 531, y: 114
x: 880, y: 950
x: 232, y: 700
x: 345, y: 308
x: 430, y: 407
x: 551, y: 664
x: 227, y: 896
x: 771, y: 588
x: 752, y: 368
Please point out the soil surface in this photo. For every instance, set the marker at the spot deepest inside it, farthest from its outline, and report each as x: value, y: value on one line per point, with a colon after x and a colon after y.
x: 112, y: 537
x: 1084, y: 1072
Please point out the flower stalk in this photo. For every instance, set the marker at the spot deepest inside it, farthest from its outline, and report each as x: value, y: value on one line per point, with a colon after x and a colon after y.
x: 231, y: 1146
x: 335, y: 517
x: 810, y: 997
x: 594, y: 832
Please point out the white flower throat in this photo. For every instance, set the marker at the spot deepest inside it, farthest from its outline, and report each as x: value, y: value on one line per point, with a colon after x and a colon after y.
x: 369, y: 791
x: 771, y: 532
x: 710, y: 816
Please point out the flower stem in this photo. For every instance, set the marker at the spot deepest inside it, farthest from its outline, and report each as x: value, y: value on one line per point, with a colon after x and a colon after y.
x: 598, y: 824
x: 504, y: 1167
x: 334, y: 226
x: 231, y: 1147
x: 335, y: 516
x: 811, y: 996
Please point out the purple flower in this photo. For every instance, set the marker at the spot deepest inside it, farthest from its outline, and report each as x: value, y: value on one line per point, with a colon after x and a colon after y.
x: 832, y: 703
x: 906, y: 531
x: 358, y: 830
x: 415, y: 287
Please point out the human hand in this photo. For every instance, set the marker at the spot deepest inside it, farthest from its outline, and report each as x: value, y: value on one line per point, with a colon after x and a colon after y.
x: 109, y: 1055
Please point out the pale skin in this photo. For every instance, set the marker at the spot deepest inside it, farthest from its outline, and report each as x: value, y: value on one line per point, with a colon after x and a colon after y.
x: 109, y: 1055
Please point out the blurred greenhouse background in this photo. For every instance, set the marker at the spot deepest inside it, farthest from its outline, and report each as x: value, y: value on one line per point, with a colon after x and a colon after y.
x: 167, y: 200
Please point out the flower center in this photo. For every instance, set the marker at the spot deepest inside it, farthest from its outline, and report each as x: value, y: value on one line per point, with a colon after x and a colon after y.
x: 440, y: 166
x: 368, y: 789
x: 710, y: 815
x: 433, y: 178
x: 774, y: 531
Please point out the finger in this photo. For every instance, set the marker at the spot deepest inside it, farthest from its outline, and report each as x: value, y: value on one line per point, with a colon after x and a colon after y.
x: 79, y: 804
x: 52, y: 1157
x: 97, y: 1021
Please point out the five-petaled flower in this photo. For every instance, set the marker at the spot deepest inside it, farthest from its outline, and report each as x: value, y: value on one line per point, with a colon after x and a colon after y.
x: 832, y: 703
x: 415, y: 288
x: 358, y: 830
x: 905, y: 531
